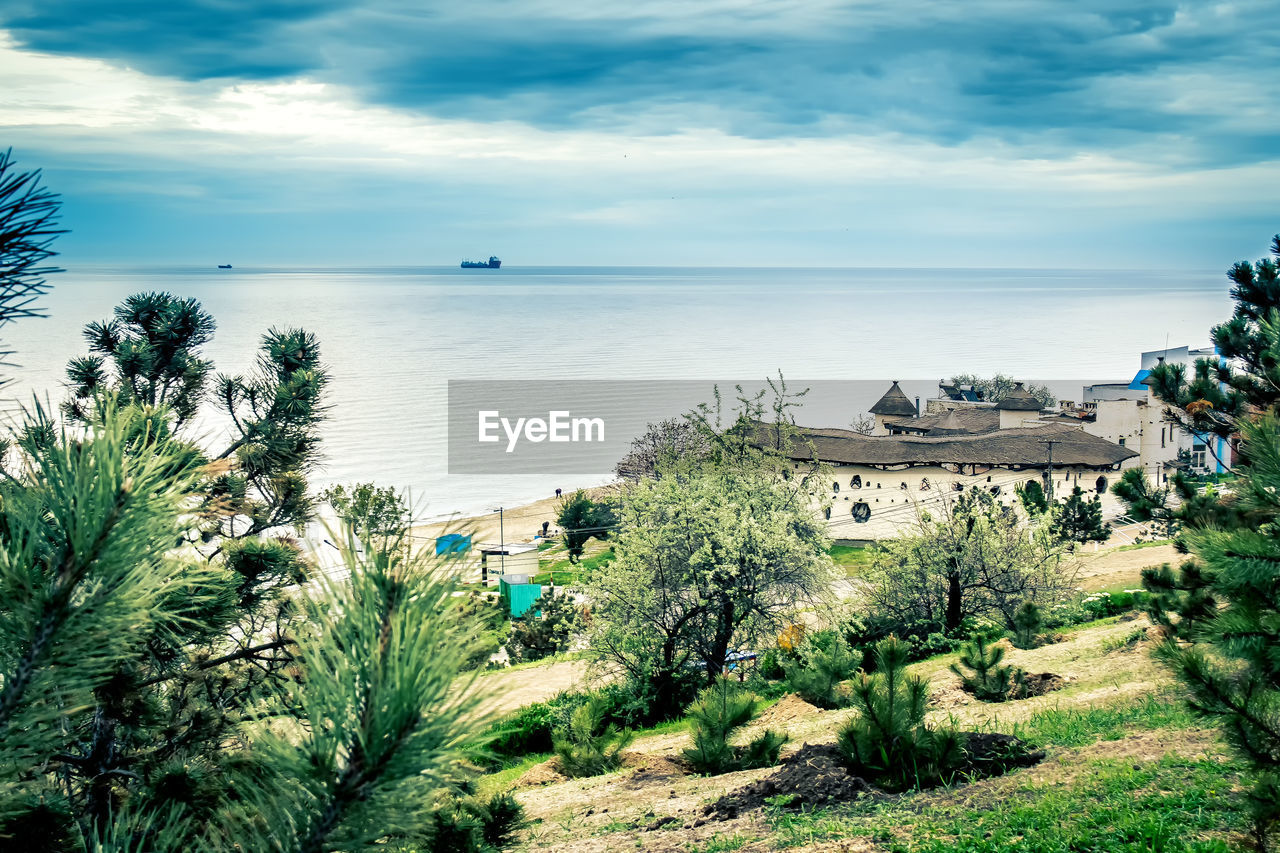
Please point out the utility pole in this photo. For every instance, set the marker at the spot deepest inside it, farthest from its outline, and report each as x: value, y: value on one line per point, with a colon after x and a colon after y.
x: 1051, y: 442
x: 502, y: 544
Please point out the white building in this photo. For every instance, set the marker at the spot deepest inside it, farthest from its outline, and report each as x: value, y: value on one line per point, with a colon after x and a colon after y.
x: 880, y: 482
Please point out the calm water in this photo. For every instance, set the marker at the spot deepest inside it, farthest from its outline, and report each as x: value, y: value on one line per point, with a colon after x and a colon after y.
x: 393, y: 337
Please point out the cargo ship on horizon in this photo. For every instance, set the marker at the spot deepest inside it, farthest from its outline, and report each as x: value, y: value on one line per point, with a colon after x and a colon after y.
x: 492, y: 264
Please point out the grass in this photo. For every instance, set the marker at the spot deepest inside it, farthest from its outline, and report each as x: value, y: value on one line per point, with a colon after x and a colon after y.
x: 502, y: 780
x: 1135, y: 546
x: 850, y: 558
x: 554, y: 565
x: 1073, y: 727
x: 1172, y: 804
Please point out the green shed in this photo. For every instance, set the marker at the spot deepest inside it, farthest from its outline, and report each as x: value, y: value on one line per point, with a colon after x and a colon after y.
x: 518, y: 594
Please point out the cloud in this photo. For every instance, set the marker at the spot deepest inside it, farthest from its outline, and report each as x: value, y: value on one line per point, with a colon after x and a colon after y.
x: 1093, y: 73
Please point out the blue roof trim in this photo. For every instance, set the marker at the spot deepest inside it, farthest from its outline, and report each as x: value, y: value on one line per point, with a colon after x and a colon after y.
x: 1136, y: 384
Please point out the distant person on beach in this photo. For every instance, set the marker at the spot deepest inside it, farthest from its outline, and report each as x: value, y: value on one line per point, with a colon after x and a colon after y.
x: 557, y: 493
x: 545, y: 525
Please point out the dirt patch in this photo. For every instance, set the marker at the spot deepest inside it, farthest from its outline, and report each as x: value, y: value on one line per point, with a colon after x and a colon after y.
x: 812, y: 776
x: 546, y: 773
x: 1040, y: 683
x: 991, y: 754
x: 654, y: 766
x: 786, y: 711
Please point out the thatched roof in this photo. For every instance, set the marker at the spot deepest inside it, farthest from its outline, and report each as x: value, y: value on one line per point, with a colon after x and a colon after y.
x: 1019, y: 400
x: 965, y: 419
x: 1023, y: 447
x: 894, y: 402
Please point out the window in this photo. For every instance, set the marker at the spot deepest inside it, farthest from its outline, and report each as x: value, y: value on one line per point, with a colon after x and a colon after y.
x: 995, y: 490
x: 835, y: 487
x: 1122, y: 442
x: 1101, y: 485
x: 924, y: 484
x: 904, y: 487
x: 1162, y: 431
x: 1199, y: 455
x: 856, y: 482
x: 827, y: 512
x: 861, y: 512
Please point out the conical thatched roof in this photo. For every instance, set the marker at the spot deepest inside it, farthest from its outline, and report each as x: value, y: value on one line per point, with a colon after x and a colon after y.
x: 950, y: 425
x: 894, y: 402
x: 1019, y: 400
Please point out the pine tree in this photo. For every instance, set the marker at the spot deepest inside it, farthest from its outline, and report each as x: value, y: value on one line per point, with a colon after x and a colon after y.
x: 984, y: 675
x: 28, y: 227
x: 719, y: 710
x: 1080, y: 520
x: 817, y: 676
x: 1027, y: 623
x: 1221, y: 614
x: 588, y: 745
x: 888, y: 737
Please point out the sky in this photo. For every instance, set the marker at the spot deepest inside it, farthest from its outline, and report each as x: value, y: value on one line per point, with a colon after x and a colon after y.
x: 988, y: 133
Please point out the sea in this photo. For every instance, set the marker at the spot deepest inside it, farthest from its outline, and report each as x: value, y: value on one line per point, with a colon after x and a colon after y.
x: 394, y: 337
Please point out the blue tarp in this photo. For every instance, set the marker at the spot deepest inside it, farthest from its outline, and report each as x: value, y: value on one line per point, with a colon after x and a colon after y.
x: 453, y: 543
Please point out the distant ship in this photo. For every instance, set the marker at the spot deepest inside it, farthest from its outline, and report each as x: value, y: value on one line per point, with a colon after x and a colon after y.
x: 224, y: 266
x: 491, y: 264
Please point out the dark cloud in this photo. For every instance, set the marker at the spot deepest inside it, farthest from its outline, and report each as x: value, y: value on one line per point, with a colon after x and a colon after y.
x: 191, y: 39
x: 1013, y: 70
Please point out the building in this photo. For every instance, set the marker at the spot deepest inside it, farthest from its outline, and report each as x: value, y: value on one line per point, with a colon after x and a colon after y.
x: 881, y: 482
x: 1130, y: 415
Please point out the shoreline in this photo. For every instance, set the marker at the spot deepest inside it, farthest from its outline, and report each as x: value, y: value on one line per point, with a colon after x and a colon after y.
x: 517, y: 524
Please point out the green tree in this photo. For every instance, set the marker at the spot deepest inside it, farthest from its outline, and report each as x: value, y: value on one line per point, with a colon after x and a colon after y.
x: 1221, y: 610
x: 152, y: 345
x: 583, y: 519
x: 589, y: 746
x: 371, y: 510
x: 822, y: 667
x: 28, y: 227
x: 975, y: 558
x: 95, y: 597
x: 1211, y: 397
x: 193, y: 681
x: 1033, y: 498
x: 983, y: 673
x: 536, y: 637
x: 1079, y: 519
x: 719, y: 711
x: 888, y: 738
x: 1221, y: 615
x: 996, y: 388
x: 707, y: 560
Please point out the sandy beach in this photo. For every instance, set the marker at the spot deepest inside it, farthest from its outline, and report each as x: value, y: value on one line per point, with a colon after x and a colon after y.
x: 518, y: 523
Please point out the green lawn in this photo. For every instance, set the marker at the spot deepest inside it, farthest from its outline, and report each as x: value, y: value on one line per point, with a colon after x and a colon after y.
x: 849, y: 558
x: 1090, y: 803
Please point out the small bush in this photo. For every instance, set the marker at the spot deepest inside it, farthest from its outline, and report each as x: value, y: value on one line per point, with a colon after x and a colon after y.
x: 589, y: 745
x: 1028, y: 622
x: 888, y: 740
x: 466, y: 824
x: 717, y: 712
x: 547, y: 629
x: 983, y: 674
x: 822, y: 666
x: 769, y: 666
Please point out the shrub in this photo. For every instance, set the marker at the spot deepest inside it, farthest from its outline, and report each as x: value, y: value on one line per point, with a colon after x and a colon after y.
x: 719, y: 710
x: 816, y: 677
x: 1027, y: 624
x: 467, y: 824
x: 534, y: 636
x: 888, y: 739
x: 983, y: 674
x: 589, y: 745
x: 769, y: 666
